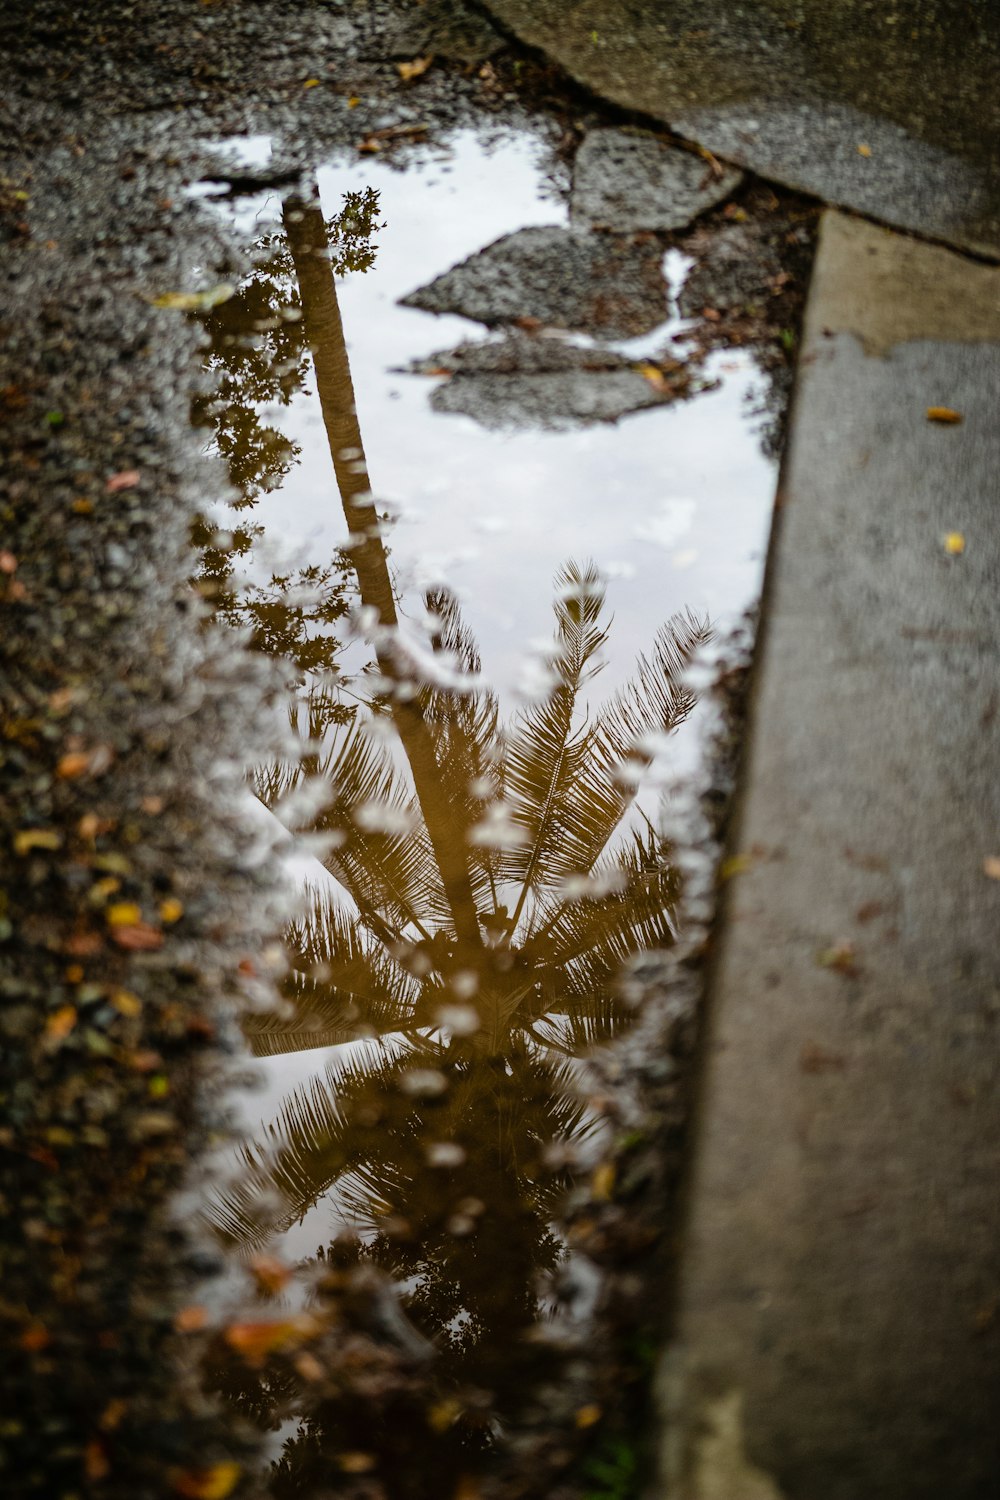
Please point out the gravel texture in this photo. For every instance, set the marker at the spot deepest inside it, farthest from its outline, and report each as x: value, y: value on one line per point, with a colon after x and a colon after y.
x: 557, y: 277
x: 630, y: 180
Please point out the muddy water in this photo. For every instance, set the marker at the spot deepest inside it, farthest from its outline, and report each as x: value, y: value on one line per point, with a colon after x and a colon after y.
x: 491, y: 619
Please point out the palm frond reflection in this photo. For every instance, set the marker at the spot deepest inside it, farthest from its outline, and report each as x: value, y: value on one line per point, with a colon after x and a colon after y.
x: 489, y: 876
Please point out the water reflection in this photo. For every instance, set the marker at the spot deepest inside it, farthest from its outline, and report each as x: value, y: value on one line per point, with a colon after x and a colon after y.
x: 491, y: 876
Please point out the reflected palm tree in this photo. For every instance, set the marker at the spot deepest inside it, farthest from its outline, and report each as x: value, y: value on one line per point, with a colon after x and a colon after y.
x: 489, y: 882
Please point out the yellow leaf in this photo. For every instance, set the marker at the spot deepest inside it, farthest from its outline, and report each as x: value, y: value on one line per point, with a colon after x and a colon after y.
x: 353, y: 102
x: 311, y: 83
x: 945, y: 414
x: 125, y: 1003
x: 195, y: 301
x: 864, y: 150
x: 586, y: 1416
x: 171, y: 910
x: 653, y: 374
x: 355, y: 1462
x: 602, y: 1183
x: 214, y: 1483
x: 36, y: 838
x: 414, y: 69
x: 954, y: 543
x: 123, y: 914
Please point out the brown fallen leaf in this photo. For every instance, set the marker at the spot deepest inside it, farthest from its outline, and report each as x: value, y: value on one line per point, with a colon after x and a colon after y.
x: 112, y: 1414
x: 8, y: 562
x: 191, y: 1319
x: 842, y: 958
x: 127, y: 479
x: 270, y: 1273
x: 83, y: 944
x: 414, y: 69
x: 588, y: 1416
x: 309, y: 1367
x: 95, y: 1461
x: 944, y: 414
x: 34, y: 1338
x: 816, y: 1059
x: 138, y: 937
x: 991, y: 866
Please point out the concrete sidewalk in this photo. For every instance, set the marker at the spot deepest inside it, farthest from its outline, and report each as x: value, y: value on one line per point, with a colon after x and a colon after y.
x: 837, y: 1329
x: 892, y: 110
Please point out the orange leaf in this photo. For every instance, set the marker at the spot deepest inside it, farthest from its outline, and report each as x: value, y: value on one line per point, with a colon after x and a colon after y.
x: 73, y: 764
x: 35, y: 1337
x: 60, y: 1024
x: 213, y: 1483
x: 254, y: 1341
x: 943, y: 414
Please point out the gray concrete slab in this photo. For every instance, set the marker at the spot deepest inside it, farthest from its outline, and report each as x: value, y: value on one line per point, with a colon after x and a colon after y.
x: 837, y: 1331
x: 610, y: 285
x: 892, y: 109
x: 629, y: 179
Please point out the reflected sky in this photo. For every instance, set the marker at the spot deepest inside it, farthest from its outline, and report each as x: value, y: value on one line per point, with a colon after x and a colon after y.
x: 673, y: 504
x: 491, y: 867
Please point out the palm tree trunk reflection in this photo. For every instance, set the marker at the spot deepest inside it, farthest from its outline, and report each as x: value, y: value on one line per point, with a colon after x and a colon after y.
x: 525, y: 881
x: 306, y: 232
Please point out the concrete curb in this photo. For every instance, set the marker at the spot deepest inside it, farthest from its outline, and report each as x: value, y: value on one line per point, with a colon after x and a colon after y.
x: 838, y: 1323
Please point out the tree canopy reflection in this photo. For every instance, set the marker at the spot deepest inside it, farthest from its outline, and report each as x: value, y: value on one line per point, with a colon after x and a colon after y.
x: 491, y: 876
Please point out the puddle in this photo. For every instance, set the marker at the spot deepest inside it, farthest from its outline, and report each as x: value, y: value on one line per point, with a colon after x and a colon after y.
x: 492, y: 628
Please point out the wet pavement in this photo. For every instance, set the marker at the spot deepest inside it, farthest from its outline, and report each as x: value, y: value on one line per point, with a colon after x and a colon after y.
x: 219, y: 405
x: 890, y: 110
x: 393, y: 439
x: 839, y: 1275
